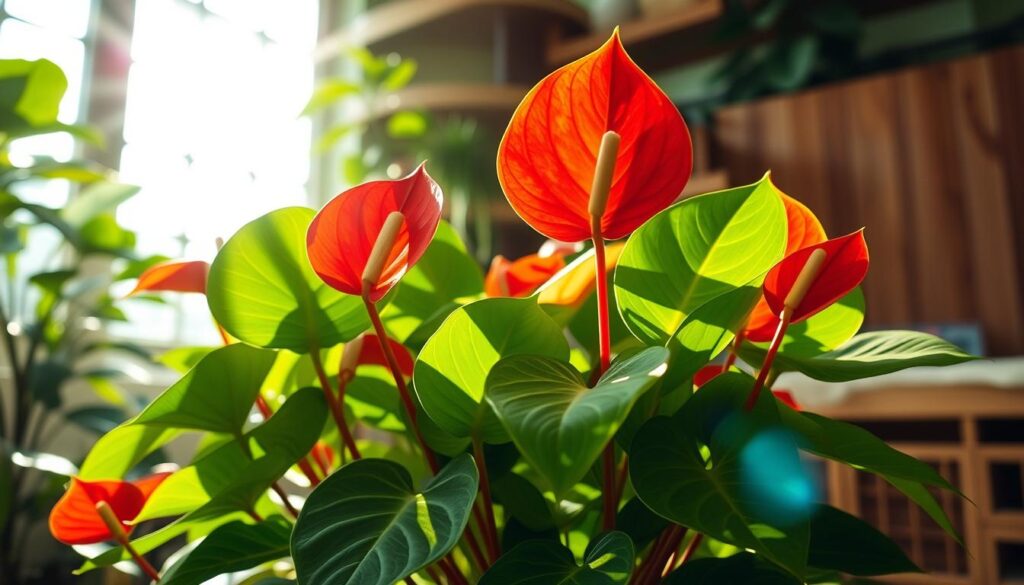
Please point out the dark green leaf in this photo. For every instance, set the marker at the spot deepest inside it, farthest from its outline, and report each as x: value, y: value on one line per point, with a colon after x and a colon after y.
x: 366, y: 524
x: 846, y: 543
x: 607, y: 561
x: 235, y: 546
x: 737, y: 569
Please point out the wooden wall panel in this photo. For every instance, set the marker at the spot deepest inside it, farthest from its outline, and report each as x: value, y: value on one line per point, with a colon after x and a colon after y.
x: 930, y: 160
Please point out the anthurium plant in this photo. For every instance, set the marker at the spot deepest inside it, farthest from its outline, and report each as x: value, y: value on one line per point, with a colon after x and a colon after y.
x: 381, y: 412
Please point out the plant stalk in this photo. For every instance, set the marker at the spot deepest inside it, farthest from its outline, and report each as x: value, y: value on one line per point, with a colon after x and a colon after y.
x: 766, y: 367
x: 117, y: 530
x: 491, y: 526
x: 332, y: 402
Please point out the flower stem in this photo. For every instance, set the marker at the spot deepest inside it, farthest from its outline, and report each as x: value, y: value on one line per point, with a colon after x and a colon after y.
x: 332, y: 402
x: 118, y: 532
x: 485, y: 493
x: 396, y: 373
x: 734, y: 350
x: 766, y: 367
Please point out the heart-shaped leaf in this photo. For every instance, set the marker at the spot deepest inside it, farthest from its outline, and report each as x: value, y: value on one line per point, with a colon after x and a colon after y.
x: 178, y: 276
x: 728, y: 473
x: 846, y: 264
x: 452, y: 367
x: 823, y: 331
x: 343, y: 233
x: 367, y: 524
x: 262, y: 290
x: 235, y: 546
x: 695, y: 251
x: 548, y: 180
x: 739, y: 568
x: 866, y: 355
x: 445, y: 273
x: 608, y: 560
x: 846, y: 543
x: 557, y: 422
x: 216, y: 395
x: 116, y: 452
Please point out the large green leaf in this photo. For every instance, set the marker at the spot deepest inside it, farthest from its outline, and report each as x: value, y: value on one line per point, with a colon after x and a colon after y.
x: 116, y: 452
x: 867, y: 355
x: 608, y: 561
x: 235, y: 546
x: 695, y: 251
x: 557, y: 422
x: 453, y: 366
x: 366, y: 524
x: 728, y: 473
x: 443, y: 275
x: 102, y: 197
x: 304, y: 414
x: 216, y: 395
x: 262, y: 289
x: 846, y: 543
x: 852, y: 445
x: 30, y: 93
x: 739, y: 568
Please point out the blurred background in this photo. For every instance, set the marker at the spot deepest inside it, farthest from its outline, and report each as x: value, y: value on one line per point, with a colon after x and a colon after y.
x: 169, y: 123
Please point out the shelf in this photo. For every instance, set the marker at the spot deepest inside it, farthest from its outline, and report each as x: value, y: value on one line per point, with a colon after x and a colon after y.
x: 477, y: 98
x: 399, y: 17
x: 639, y: 31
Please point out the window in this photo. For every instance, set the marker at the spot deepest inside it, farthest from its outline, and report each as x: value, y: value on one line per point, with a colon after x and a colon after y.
x: 212, y: 134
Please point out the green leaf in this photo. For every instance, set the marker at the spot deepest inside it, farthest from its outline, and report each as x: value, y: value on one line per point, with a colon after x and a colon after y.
x: 116, y: 452
x: 103, y: 197
x: 608, y: 561
x: 400, y: 75
x: 262, y: 289
x: 557, y: 422
x: 452, y: 367
x: 846, y: 543
x: 98, y: 419
x: 521, y: 500
x: 732, y: 474
x: 216, y: 395
x: 695, y: 251
x: 739, y: 568
x: 407, y: 125
x: 102, y: 234
x: 367, y: 524
x: 235, y: 546
x: 30, y: 93
x: 328, y: 93
x: 867, y: 355
x: 852, y: 445
x: 183, y: 359
x: 445, y: 273
x: 826, y: 330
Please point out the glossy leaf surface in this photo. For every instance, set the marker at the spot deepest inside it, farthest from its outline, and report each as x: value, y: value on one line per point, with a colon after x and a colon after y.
x: 868, y: 354
x: 182, y: 276
x: 821, y: 332
x: 343, y: 233
x: 845, y: 266
x: 695, y: 251
x: 452, y: 368
x: 262, y: 290
x: 367, y: 524
x: 608, y: 560
x: 557, y: 422
x: 74, y: 519
x: 752, y: 491
x: 546, y: 158
x: 847, y: 544
x: 235, y: 546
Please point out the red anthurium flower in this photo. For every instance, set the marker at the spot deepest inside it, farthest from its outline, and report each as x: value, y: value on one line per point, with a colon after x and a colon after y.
x: 519, y: 278
x: 546, y: 158
x: 706, y: 374
x: 177, y: 276
x: 372, y: 354
x: 845, y: 265
x: 74, y: 519
x: 342, y: 235
x: 804, y: 230
x: 786, y: 397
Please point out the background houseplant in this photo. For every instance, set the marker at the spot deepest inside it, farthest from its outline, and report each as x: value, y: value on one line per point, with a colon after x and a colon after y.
x: 514, y: 454
x: 54, y: 301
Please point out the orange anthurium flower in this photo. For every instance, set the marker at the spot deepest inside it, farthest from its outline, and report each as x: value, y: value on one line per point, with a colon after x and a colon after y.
x: 845, y: 265
x: 74, y: 519
x: 572, y: 286
x: 804, y: 230
x: 547, y: 157
x: 177, y: 276
x: 519, y: 278
x: 371, y: 353
x: 342, y: 235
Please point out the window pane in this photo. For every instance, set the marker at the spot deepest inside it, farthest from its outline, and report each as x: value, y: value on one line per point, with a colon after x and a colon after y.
x: 19, y: 40
x: 70, y: 17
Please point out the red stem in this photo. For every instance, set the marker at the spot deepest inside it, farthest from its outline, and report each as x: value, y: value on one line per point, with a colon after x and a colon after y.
x: 396, y: 373
x: 284, y: 498
x: 766, y: 367
x: 691, y: 548
x: 333, y: 403
x: 474, y: 545
x: 141, y: 561
x: 734, y: 350
x: 610, y: 502
x: 491, y: 527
